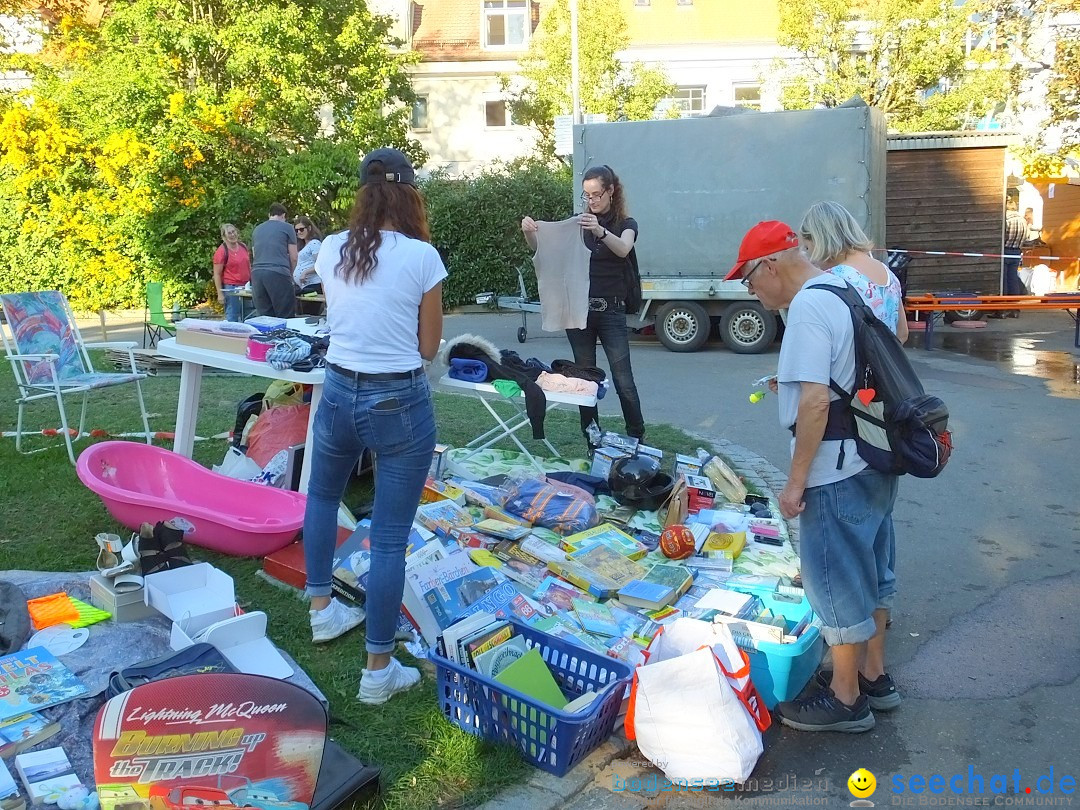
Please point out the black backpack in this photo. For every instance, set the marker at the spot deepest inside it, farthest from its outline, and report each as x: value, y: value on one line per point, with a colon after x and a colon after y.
x: 898, y: 428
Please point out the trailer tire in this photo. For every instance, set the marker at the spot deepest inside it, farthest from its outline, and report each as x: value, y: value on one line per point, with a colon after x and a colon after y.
x: 964, y: 315
x: 683, y: 326
x: 747, y: 327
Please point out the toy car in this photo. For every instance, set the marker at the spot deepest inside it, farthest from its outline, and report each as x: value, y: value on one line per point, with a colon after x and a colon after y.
x: 162, y: 797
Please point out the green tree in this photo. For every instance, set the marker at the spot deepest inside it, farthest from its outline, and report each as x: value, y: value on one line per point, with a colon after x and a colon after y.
x: 542, y: 89
x: 141, y: 134
x: 907, y: 57
x: 1059, y: 136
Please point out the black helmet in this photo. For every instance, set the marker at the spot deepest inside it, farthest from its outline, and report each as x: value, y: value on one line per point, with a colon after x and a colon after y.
x: 637, y: 482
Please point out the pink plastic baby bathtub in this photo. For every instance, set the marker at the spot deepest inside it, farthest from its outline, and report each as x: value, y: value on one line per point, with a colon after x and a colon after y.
x: 140, y: 483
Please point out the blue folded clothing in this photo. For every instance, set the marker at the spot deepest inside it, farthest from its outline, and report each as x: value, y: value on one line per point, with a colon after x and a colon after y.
x: 468, y: 370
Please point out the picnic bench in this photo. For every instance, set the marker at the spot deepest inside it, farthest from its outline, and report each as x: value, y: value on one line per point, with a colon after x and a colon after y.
x: 953, y: 302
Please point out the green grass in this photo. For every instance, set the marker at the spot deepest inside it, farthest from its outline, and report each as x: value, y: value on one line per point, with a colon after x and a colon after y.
x: 48, y: 520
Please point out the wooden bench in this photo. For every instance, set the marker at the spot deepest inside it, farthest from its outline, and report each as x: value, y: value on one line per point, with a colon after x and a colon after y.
x: 932, y: 302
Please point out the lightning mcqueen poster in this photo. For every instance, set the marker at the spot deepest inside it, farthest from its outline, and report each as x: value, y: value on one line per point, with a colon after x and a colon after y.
x: 223, y: 740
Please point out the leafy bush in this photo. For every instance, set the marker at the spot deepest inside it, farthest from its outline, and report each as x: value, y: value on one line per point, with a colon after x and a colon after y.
x: 476, y: 223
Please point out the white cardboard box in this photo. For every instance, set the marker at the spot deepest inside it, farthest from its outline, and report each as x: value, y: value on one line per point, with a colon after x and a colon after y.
x: 191, y: 591
x: 241, y: 639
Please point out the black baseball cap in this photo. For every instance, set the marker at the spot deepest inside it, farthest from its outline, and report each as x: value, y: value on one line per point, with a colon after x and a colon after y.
x: 397, y: 166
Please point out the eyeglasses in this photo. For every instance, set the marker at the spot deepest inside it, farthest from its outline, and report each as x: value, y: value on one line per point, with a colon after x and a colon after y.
x: 301, y: 229
x: 746, y: 276
x: 587, y: 197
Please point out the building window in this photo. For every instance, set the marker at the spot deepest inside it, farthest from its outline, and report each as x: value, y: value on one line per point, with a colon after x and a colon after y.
x: 748, y: 96
x: 497, y: 114
x: 505, y: 23
x: 420, y: 113
x: 688, y: 101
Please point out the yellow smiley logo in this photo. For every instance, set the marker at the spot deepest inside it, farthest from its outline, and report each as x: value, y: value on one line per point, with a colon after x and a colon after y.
x: 862, y: 783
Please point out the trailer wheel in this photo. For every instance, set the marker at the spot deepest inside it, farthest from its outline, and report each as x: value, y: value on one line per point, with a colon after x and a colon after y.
x: 747, y: 327
x: 522, y: 335
x: 682, y: 326
x: 964, y: 315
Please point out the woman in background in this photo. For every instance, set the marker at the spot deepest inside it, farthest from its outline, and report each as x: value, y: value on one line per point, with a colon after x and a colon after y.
x: 383, y: 285
x: 232, y: 271
x: 837, y: 244
x: 308, y: 241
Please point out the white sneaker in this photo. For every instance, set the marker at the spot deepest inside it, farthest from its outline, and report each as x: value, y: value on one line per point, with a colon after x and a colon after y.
x: 336, y: 619
x: 380, y: 685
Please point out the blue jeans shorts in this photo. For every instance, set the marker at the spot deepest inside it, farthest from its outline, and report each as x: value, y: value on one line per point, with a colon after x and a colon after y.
x: 847, y: 549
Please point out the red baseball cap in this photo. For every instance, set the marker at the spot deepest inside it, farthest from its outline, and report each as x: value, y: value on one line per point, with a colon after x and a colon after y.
x: 761, y: 240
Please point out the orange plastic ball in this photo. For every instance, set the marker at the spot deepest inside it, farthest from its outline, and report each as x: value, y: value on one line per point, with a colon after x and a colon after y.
x: 677, y: 542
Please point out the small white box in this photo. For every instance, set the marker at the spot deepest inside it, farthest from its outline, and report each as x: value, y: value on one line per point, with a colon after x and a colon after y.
x: 241, y: 639
x: 603, y: 458
x: 194, y: 590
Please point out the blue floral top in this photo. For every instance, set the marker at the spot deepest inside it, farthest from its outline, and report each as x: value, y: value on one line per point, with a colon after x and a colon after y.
x: 883, y: 299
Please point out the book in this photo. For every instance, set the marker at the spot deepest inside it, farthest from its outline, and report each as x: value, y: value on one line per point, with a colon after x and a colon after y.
x: 756, y: 631
x: 628, y: 620
x: 543, y: 549
x: 485, y: 639
x: 498, y: 513
x: 596, y: 618
x: 9, y: 791
x: 559, y: 595
x: 585, y: 578
x: 524, y: 609
x: 352, y: 561
x: 627, y: 651
x: 42, y: 772
x: 607, y: 562
x: 501, y: 528
x: 648, y: 595
x: 646, y: 633
x: 724, y: 600
x: 611, y: 536
x: 451, y: 600
x: 24, y: 731
x: 561, y: 627
x: 33, y: 679
x: 530, y: 676
x: 442, y: 516
x: 459, y: 630
x: 675, y: 577
x: 581, y: 702
x: 422, y: 579
x: 494, y: 661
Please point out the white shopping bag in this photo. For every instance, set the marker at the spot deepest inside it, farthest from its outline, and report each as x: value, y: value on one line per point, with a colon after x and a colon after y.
x: 693, y: 709
x: 237, y: 465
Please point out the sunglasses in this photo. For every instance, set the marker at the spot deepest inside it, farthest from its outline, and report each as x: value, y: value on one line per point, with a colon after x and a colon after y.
x: 300, y: 228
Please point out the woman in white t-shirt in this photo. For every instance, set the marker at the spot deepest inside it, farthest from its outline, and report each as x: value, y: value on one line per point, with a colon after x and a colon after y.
x: 837, y: 244
x: 383, y: 285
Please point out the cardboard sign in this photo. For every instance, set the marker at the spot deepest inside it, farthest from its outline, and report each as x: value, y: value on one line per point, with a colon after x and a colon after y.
x: 217, y: 739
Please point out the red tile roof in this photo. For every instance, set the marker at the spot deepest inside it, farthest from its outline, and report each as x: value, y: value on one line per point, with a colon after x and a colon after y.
x: 449, y: 30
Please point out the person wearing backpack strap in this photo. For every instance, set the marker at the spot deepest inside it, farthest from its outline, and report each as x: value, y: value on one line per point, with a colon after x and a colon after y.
x: 847, y: 543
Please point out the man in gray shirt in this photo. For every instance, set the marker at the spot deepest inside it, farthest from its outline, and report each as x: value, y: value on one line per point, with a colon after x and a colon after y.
x: 273, y: 244
x: 847, y: 547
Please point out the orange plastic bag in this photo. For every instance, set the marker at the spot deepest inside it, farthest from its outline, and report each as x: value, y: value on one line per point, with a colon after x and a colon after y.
x: 277, y: 429
x: 56, y: 608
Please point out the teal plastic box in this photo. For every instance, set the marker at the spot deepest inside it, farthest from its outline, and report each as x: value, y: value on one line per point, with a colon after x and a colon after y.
x: 780, y: 671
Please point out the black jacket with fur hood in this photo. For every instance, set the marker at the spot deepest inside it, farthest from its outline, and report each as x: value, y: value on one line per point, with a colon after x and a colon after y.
x: 474, y: 347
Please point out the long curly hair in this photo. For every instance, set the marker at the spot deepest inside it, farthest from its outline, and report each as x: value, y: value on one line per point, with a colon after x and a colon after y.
x: 380, y: 205
x: 609, y: 180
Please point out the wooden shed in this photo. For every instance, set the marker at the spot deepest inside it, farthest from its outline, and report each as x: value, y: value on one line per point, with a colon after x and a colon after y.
x: 946, y: 192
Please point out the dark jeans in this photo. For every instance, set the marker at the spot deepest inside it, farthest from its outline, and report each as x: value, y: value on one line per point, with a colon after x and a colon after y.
x: 273, y: 294
x: 610, y: 327
x: 1011, y: 264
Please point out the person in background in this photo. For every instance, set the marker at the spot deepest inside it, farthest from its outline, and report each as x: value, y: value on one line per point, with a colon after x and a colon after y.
x: 232, y: 271
x: 1034, y: 234
x: 383, y: 285
x: 308, y: 240
x: 610, y: 233
x: 835, y: 243
x: 274, y: 245
x: 847, y: 544
x: 1016, y: 232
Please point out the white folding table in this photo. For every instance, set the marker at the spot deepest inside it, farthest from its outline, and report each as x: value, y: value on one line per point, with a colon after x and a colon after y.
x: 195, y: 359
x: 507, y: 428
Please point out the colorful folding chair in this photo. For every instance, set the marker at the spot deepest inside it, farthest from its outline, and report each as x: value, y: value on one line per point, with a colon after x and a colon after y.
x: 49, y: 358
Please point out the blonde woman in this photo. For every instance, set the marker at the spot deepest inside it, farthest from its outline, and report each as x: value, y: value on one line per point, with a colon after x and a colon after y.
x: 232, y: 270
x: 836, y: 244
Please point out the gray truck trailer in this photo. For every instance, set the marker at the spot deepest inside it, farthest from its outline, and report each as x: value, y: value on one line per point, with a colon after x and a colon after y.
x: 696, y: 185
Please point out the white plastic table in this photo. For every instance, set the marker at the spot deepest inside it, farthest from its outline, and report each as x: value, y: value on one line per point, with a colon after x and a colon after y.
x: 506, y: 428
x: 193, y: 361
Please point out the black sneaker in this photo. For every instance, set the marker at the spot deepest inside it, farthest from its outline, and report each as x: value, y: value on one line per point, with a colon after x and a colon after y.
x: 881, y: 691
x: 825, y: 712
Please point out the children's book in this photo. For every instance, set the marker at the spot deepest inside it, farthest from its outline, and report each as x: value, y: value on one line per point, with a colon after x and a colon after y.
x: 442, y: 516
x: 493, y: 661
x: 422, y: 579
x: 463, y: 596
x: 559, y: 595
x: 42, y: 772
x: 453, y: 634
x: 609, y: 563
x: 606, y: 534
x: 649, y: 595
x: 564, y: 628
x: 524, y: 609
x: 501, y: 528
x: 33, y: 679
x: 675, y: 577
x: 628, y: 620
x: 588, y: 580
x: 530, y: 676
x: 23, y: 732
x: 596, y: 618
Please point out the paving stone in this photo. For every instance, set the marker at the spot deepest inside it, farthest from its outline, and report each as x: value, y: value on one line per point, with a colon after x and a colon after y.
x: 524, y: 797
x: 598, y: 798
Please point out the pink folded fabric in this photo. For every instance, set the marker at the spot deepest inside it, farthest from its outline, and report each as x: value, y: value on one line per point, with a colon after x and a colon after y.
x: 561, y: 384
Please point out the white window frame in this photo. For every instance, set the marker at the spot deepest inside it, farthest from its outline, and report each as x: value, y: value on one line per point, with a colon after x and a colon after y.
x: 737, y: 86
x: 425, y: 100
x: 509, y: 115
x: 505, y: 11
x: 685, y: 103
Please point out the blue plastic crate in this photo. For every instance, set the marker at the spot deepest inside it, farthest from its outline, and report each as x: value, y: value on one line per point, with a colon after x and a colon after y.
x: 548, y: 738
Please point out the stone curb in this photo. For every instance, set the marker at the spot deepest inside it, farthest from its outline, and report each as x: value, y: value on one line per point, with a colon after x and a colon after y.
x: 584, y: 788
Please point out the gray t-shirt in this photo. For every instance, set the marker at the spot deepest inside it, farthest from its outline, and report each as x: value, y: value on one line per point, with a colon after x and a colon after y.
x: 819, y: 344
x: 270, y: 242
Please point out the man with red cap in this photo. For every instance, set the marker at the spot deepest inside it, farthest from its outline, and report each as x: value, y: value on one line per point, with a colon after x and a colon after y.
x: 846, y: 541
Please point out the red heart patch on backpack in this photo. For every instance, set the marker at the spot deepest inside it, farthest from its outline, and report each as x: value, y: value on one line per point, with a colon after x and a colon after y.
x: 866, y: 395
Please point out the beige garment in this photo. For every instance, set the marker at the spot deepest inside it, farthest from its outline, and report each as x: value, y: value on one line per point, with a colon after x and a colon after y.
x: 562, y: 275
x: 561, y: 384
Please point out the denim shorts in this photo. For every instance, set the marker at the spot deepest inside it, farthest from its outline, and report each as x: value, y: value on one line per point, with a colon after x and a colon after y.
x: 847, y: 549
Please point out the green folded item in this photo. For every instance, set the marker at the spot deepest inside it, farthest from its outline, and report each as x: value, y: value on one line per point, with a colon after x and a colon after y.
x: 88, y: 614
x: 508, y: 388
